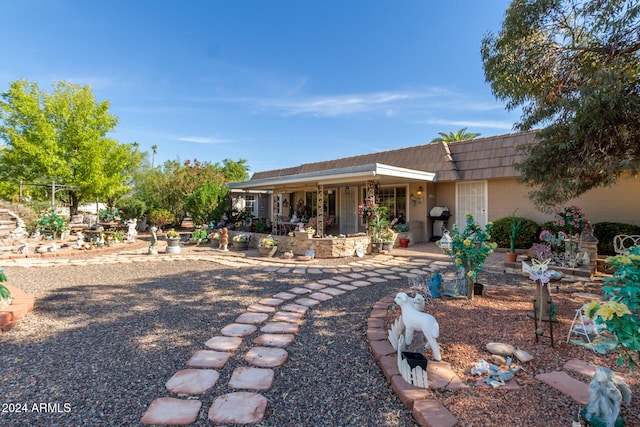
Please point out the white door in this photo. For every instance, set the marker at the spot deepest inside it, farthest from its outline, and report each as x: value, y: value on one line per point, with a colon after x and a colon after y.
x: 348, y: 219
x: 471, y: 197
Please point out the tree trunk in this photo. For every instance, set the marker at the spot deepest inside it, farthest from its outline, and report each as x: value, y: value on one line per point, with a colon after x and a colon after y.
x: 75, y: 202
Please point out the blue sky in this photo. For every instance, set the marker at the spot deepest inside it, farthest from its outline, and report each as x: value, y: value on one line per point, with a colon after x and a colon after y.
x: 277, y: 83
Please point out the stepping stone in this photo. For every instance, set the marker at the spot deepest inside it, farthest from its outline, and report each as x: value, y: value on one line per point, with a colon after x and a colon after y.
x: 284, y: 295
x: 287, y: 316
x: 307, y: 302
x: 252, y: 318
x: 440, y: 376
x: 320, y: 296
x: 238, y: 408
x: 296, y: 308
x: 392, y: 277
x: 361, y: 283
x: 342, y: 278
x: 586, y: 369
x: 371, y: 273
x: 431, y: 413
x: 356, y: 275
x: 272, y: 302
x: 346, y: 287
x: 330, y: 282
x: 172, y: 411
x: 300, y: 291
x: 560, y: 380
x: 251, y: 378
x: 333, y: 291
x: 314, y: 271
x: 224, y: 343
x: 266, y: 357
x: 280, y: 328
x: 238, y: 330
x: 377, y: 280
x: 208, y: 359
x: 192, y: 381
x: 315, y: 286
x: 259, y: 308
x: 274, y: 340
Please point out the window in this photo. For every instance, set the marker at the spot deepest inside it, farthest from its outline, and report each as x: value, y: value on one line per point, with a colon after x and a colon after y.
x: 394, y: 198
x: 250, y: 204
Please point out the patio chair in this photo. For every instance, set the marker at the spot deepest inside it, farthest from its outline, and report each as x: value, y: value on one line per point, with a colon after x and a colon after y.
x: 622, y: 242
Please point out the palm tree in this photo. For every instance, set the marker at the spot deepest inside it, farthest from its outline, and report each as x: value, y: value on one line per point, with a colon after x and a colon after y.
x: 153, y: 156
x: 461, y: 135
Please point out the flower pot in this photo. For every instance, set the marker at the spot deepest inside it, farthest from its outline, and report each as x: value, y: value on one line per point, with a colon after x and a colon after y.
x: 267, y: 251
x: 478, y: 288
x: 215, y: 243
x: 512, y: 257
x: 241, y: 245
x: 386, y: 246
x: 173, y: 245
x: 404, y: 243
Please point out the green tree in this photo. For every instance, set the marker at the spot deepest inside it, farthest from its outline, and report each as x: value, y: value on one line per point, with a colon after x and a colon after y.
x: 61, y: 137
x: 461, y: 135
x: 573, y: 67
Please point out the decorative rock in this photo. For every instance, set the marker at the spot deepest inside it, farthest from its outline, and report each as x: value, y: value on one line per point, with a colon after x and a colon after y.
x: 522, y: 355
x: 500, y: 348
x: 192, y: 381
x: 238, y: 408
x: 172, y: 411
x: 496, y: 359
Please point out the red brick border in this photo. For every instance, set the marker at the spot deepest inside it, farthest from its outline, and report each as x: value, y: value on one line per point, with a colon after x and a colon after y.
x: 22, y: 304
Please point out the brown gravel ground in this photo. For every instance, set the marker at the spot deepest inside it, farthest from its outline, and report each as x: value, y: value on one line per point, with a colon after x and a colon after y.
x: 106, y: 338
x: 500, y: 315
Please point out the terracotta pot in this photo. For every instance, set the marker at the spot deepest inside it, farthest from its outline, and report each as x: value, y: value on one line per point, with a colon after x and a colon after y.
x: 404, y: 243
x: 512, y: 256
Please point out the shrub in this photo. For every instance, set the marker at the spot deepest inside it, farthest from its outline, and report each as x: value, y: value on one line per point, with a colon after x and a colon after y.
x: 131, y: 208
x: 606, y: 231
x: 161, y: 217
x: 527, y: 235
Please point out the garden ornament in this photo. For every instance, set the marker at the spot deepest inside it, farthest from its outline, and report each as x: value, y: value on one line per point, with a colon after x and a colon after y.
x: 418, y: 302
x: 23, y: 248
x: 498, y: 377
x: 154, y: 240
x: 224, y: 238
x: 131, y: 232
x: 415, y: 320
x: 435, y: 284
x: 79, y: 240
x: 605, y: 394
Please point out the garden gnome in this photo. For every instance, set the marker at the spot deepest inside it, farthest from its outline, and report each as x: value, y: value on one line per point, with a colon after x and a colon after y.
x: 224, y: 238
x: 435, y: 284
x: 154, y: 240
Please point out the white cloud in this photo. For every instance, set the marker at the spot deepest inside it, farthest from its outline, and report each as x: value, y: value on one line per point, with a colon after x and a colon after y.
x: 492, y: 124
x: 203, y: 140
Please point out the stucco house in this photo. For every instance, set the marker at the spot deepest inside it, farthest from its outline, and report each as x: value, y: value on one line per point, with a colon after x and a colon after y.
x: 424, y: 184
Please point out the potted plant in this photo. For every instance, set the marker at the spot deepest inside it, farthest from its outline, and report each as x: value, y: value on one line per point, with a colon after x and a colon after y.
x: 52, y: 223
x: 385, y: 238
x: 199, y: 235
x: 5, y: 294
x: 214, y: 238
x: 470, y: 247
x: 241, y: 242
x: 268, y: 246
x: 516, y: 225
x: 403, y: 235
x: 173, y: 241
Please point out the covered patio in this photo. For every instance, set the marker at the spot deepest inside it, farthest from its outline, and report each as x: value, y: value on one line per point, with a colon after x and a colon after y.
x: 328, y: 200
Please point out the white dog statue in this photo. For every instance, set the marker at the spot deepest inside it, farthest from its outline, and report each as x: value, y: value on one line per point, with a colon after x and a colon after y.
x: 416, y: 320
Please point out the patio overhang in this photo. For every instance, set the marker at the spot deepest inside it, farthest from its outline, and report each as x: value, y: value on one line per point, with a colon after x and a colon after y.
x: 339, y: 176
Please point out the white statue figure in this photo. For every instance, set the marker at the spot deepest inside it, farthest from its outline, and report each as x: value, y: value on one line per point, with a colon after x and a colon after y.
x: 23, y: 248
x: 154, y: 240
x: 131, y: 232
x: 416, y: 320
x: 605, y: 394
x: 79, y: 240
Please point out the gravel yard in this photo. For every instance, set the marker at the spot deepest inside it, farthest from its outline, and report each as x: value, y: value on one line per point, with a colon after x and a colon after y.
x: 104, y: 339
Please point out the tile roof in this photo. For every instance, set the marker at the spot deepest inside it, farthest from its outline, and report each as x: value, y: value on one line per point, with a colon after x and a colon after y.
x: 482, y: 158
